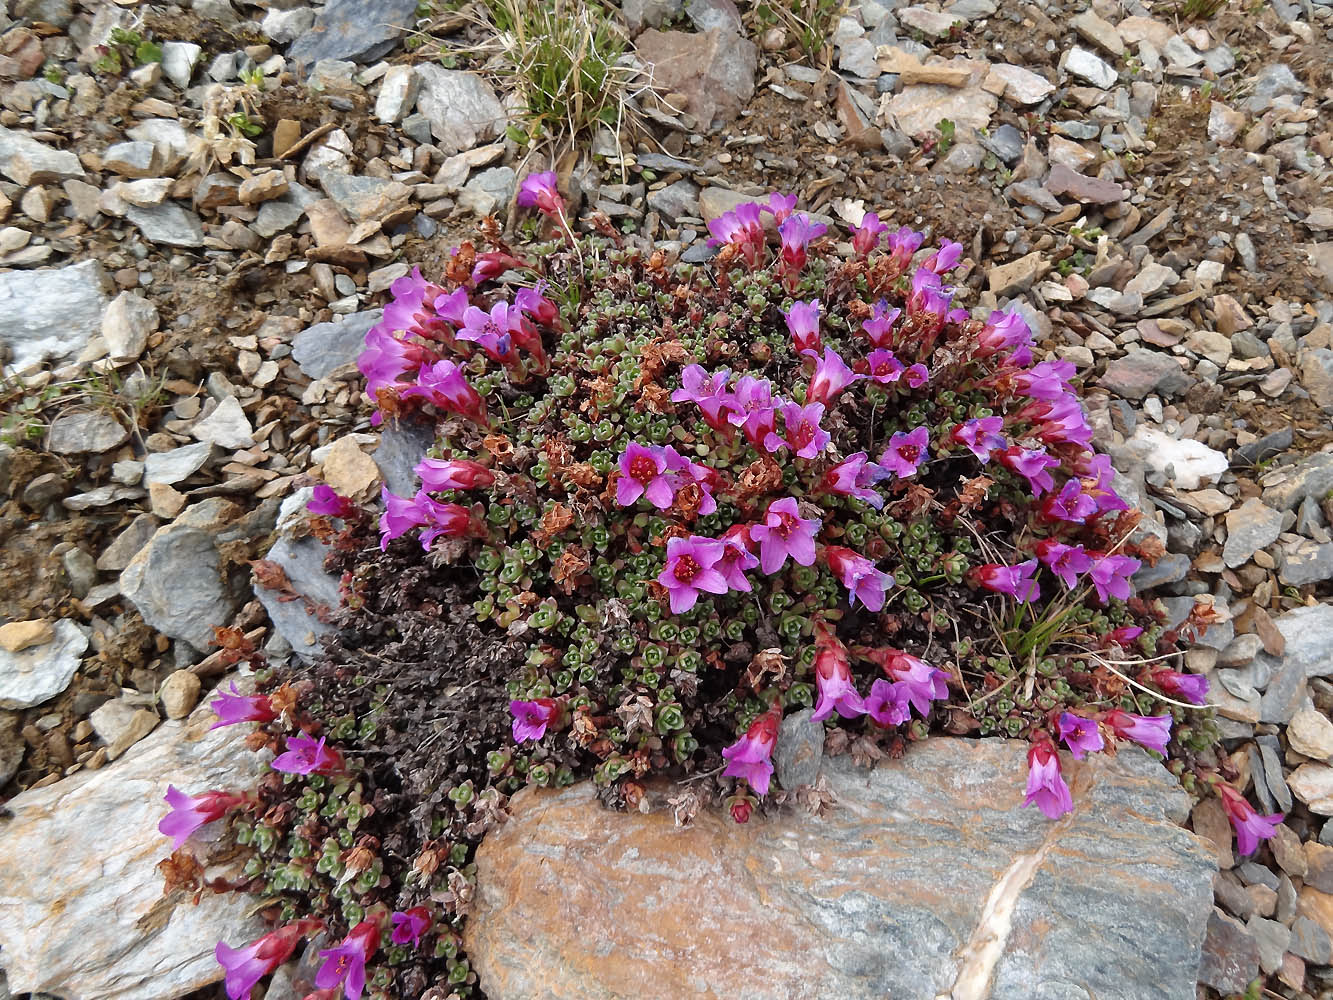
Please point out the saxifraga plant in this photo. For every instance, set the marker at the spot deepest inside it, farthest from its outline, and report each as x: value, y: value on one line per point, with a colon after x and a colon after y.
x: 696, y: 498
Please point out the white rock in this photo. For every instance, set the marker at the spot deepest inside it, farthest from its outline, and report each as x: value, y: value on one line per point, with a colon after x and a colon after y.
x: 398, y: 92
x: 39, y: 673
x: 179, y: 60
x: 1310, y: 733
x: 1022, y: 86
x: 82, y: 912
x: 227, y: 426
x: 462, y: 107
x: 918, y: 108
x: 171, y: 467
x: 1193, y: 462
x: 50, y: 313
x: 285, y: 26
x: 1151, y: 279
x: 1087, y: 66
x: 126, y: 324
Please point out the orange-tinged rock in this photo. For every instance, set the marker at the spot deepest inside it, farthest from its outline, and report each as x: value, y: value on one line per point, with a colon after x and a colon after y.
x: 926, y: 879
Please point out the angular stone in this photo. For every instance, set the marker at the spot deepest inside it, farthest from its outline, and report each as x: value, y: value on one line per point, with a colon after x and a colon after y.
x: 1017, y: 275
x: 177, y: 583
x: 38, y: 673
x: 366, y: 198
x: 116, y: 556
x: 918, y: 109
x: 1308, y: 635
x: 1099, y: 32
x: 50, y: 313
x: 1309, y: 562
x: 573, y: 901
x: 133, y: 159
x: 359, y: 30
x: 1087, y: 190
x: 1230, y: 955
x: 105, y: 823
x: 180, y: 693
x: 401, y: 447
x: 171, y: 467
x: 1311, y: 477
x: 18, y: 636
x: 1186, y: 463
x: 398, y: 92
x: 25, y: 161
x: 301, y: 622
x: 1140, y: 372
x: 715, y: 70
x: 325, y: 347
x: 1022, y: 86
x: 262, y: 187
x: 126, y: 324
x: 227, y: 426
x: 169, y: 223
x: 462, y: 108
x: 1084, y: 64
x: 1250, y: 527
x: 1313, y: 785
x: 82, y: 432
x: 179, y: 60
x: 799, y: 750
x: 120, y: 724
x: 348, y: 469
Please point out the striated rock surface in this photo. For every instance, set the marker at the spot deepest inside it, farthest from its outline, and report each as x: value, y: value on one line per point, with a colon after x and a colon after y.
x: 925, y: 880
x: 89, y: 920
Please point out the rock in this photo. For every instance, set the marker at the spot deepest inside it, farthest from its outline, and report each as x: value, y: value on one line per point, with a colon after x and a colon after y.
x: 919, y: 108
x: 323, y: 348
x: 856, y: 57
x: 126, y: 324
x: 1313, y: 785
x: 1309, y: 562
x: 283, y: 26
x: 1230, y: 955
x: 1099, y: 32
x: 934, y: 23
x: 1087, y: 190
x: 38, y: 673
x: 1141, y: 372
x: 132, y: 159
x: 50, y: 314
x: 398, y: 92
x: 177, y: 583
x: 462, y: 108
x: 116, y: 556
x: 357, y: 30
x: 227, y: 426
x: 1308, y: 635
x: 1317, y: 375
x: 401, y: 447
x: 715, y: 70
x: 105, y: 822
x: 170, y: 138
x: 179, y: 60
x: 1151, y: 279
x: 299, y: 621
x: 1171, y: 568
x: 366, y: 198
x: 799, y: 750
x: 675, y: 200
x: 80, y: 570
x: 1272, y: 939
x: 259, y: 188
x: 1213, y: 346
x: 640, y: 14
x: 82, y: 432
x: 1311, y: 477
x: 1250, y: 527
x: 18, y: 636
x: 12, y: 749
x: 1186, y: 463
x: 1087, y: 66
x: 180, y: 693
x: 177, y: 465
x: 25, y: 161
x: 1310, y: 941
x: 935, y: 835
x: 488, y: 191
x: 1265, y: 447
x: 1224, y: 124
x: 1018, y: 275
x: 348, y: 469
x: 120, y: 725
x: 169, y: 223
x: 1022, y: 86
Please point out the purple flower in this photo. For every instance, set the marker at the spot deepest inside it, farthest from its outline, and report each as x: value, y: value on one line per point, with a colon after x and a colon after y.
x: 326, y: 502
x: 1081, y: 735
x: 491, y: 331
x: 785, y: 533
x: 905, y: 452
x: 853, y: 477
x: 1251, y: 827
x: 737, y: 558
x: 307, y: 756
x: 443, y: 384
x: 401, y: 515
x: 708, y: 392
x: 865, y: 237
x: 801, y: 429
x: 740, y: 228
x: 448, y: 519
x: 691, y: 567
x: 887, y: 703
x: 1032, y: 465
x: 795, y: 234
x: 1016, y: 581
x: 1110, y: 576
x: 1068, y: 562
x: 679, y: 466
x: 930, y: 298
x: 1150, y: 731
x: 753, y: 410
x: 803, y: 325
x: 902, y: 245
x: 452, y: 307
x: 915, y: 376
x: 1071, y: 504
x: 542, y: 191
x: 1060, y: 421
x: 384, y: 359
x: 345, y: 965
x: 879, y: 327
x: 643, y: 473
x: 409, y: 925
x: 884, y: 367
x: 1005, y: 332
x: 920, y: 682
x: 438, y: 475
x: 1189, y: 687
x: 190, y: 812
x: 750, y: 757
x: 780, y: 206
x: 236, y: 708
x: 946, y: 258
x: 833, y: 680
x: 1046, y: 787
x: 244, y: 967
x: 858, y: 574
x: 831, y: 376
x: 982, y: 436
x: 532, y: 717
x: 1048, y: 380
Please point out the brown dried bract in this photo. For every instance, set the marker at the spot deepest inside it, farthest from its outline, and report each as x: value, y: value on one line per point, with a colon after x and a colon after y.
x: 499, y: 446
x: 866, y: 752
x: 458, y: 268
x: 271, y: 576
x: 684, y: 807
x: 584, y: 476
x: 655, y: 398
x: 758, y: 478
x: 765, y: 663
x: 816, y: 798
x: 181, y: 871
x: 554, y: 521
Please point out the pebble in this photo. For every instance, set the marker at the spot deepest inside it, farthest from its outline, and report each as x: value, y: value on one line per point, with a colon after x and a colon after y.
x: 180, y: 693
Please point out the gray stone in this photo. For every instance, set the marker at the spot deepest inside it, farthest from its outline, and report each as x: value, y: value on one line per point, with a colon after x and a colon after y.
x: 676, y: 200
x: 169, y: 223
x: 1006, y: 142
x: 462, y: 108
x: 283, y: 26
x: 1141, y: 372
x: 50, y: 314
x: 179, y: 60
x: 105, y: 825
x: 359, y: 30
x: 177, y: 583
x: 1309, y: 653
x: 488, y: 190
x: 277, y: 216
x: 715, y: 70
x: 1248, y: 455
x: 126, y: 324
x: 170, y: 138
x: 640, y: 14
x: 706, y: 15
x: 1272, y: 81
x: 398, y: 92
x: 116, y: 556
x: 1272, y: 939
x: 132, y: 159
x: 303, y: 621
x: 1310, y: 941
x: 1170, y: 568
x: 799, y: 750
x: 81, y: 432
x: 325, y: 347
x: 177, y: 465
x: 26, y: 161
x: 1250, y: 527
x: 857, y: 57
x: 227, y: 426
x: 12, y: 749
x: 402, y: 445
x: 81, y: 571
x: 39, y: 673
x: 955, y: 889
x: 1087, y: 66
x: 1311, y: 477
x: 1230, y: 957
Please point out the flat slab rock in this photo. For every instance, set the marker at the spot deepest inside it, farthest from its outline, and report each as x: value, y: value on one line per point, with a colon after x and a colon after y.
x: 82, y: 914
x: 926, y: 880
